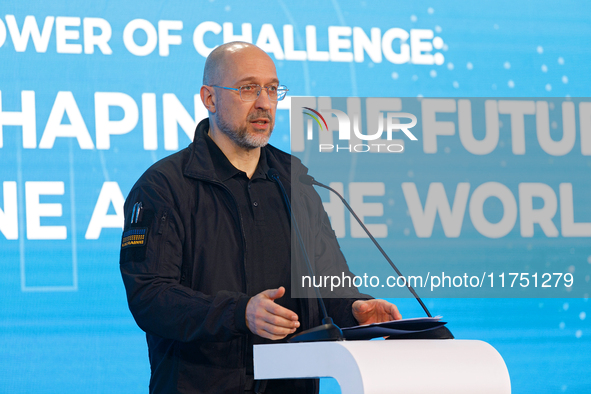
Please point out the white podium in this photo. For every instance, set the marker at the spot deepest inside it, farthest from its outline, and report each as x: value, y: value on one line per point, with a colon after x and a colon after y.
x: 393, y: 366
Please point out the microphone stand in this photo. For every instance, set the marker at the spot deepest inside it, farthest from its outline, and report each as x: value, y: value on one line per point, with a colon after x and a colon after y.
x: 309, y: 180
x: 328, y: 331
x: 438, y: 333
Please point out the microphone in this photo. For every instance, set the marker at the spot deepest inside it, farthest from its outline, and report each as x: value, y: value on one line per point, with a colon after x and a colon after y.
x: 328, y: 331
x: 310, y: 181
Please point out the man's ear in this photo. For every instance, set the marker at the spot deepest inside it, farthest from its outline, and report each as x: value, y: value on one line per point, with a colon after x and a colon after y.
x: 208, y: 97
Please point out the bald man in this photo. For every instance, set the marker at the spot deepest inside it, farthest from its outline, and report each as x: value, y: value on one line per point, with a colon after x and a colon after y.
x: 205, y: 253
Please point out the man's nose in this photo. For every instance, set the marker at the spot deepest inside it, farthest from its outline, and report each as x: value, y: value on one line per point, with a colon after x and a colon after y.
x: 263, y: 100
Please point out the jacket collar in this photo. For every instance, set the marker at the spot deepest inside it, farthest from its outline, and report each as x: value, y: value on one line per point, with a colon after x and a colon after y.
x: 201, y: 164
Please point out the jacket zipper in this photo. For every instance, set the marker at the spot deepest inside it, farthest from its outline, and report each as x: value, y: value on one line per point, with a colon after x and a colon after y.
x: 163, y: 220
x: 245, y: 342
x: 306, y: 304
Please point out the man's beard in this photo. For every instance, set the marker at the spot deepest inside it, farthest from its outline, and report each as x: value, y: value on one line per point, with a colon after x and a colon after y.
x: 242, y: 137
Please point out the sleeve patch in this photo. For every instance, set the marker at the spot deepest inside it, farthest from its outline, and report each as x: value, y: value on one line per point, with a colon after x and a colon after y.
x: 134, y: 237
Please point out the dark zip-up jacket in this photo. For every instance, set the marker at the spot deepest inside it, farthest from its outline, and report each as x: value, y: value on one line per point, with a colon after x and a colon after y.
x: 190, y: 295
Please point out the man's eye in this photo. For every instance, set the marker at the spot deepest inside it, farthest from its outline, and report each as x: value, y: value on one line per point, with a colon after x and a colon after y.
x: 249, y: 88
x: 272, y: 88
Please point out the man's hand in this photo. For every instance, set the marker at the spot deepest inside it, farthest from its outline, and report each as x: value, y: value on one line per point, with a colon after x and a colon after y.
x: 267, y: 319
x: 375, y: 311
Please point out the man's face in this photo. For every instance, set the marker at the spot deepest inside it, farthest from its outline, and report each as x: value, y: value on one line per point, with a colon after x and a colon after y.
x: 248, y: 124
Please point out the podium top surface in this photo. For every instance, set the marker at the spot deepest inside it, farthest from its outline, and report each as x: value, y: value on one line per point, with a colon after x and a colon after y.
x: 391, y: 366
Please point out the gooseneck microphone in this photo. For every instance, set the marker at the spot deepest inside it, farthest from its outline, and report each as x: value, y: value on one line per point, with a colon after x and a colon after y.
x: 309, y: 180
x: 328, y: 331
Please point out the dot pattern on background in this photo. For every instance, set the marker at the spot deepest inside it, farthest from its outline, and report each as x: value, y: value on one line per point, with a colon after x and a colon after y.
x: 546, y: 87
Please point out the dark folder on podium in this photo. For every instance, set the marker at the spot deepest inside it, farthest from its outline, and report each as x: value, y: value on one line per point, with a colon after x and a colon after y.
x: 419, y: 328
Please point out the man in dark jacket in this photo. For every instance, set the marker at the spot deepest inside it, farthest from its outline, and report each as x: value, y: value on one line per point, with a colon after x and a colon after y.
x: 205, y: 254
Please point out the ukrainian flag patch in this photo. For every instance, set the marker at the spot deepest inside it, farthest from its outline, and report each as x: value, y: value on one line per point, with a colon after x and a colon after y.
x: 134, y: 237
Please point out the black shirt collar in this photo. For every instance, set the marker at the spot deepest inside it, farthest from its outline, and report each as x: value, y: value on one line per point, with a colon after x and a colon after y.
x: 225, y: 170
